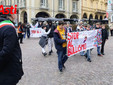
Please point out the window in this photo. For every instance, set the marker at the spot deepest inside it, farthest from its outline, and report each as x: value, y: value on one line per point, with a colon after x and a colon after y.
x: 61, y: 4
x: 44, y: 3
x: 75, y: 6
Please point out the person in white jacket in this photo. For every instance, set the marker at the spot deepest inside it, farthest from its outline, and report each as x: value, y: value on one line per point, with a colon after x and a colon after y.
x: 44, y: 34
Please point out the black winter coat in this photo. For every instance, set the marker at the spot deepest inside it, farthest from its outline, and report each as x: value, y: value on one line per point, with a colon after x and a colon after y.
x: 104, y: 34
x: 50, y: 35
x: 10, y: 54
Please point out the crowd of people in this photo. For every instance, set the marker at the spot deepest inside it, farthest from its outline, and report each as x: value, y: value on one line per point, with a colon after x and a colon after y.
x: 11, y: 69
x: 59, y: 34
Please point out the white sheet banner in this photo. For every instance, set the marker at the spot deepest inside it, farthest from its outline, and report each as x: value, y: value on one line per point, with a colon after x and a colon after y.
x: 81, y: 41
x: 35, y: 32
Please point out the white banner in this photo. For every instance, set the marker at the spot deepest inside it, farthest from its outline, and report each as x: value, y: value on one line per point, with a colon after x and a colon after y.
x: 81, y: 41
x: 35, y: 32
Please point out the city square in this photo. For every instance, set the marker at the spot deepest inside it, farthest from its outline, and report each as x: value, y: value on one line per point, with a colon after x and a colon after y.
x: 56, y: 42
x: 40, y: 70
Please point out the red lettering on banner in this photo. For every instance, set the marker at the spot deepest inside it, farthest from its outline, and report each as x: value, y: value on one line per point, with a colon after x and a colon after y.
x: 38, y: 31
x: 74, y: 49
x: 33, y: 31
x: 72, y: 36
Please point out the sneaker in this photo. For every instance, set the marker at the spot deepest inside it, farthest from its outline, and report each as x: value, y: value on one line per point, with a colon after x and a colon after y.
x: 99, y: 54
x: 89, y: 60
x: 61, y: 70
x: 44, y: 54
x: 64, y: 67
x: 102, y: 53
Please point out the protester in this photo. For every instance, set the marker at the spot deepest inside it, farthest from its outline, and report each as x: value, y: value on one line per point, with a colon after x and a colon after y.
x: 50, y: 36
x: 68, y: 27
x: 24, y: 30
x: 98, y: 47
x: 28, y: 30
x: 107, y: 28
x: 44, y: 39
x: 20, y: 31
x: 10, y: 53
x: 104, y: 38
x: 111, y: 29
x: 74, y: 28
x: 60, y: 44
x: 87, y: 54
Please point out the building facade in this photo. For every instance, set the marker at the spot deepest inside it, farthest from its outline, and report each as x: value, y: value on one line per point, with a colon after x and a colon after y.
x: 94, y: 9
x: 27, y: 9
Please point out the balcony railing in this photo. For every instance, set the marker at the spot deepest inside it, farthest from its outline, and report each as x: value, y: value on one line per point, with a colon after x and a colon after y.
x: 75, y: 10
x: 100, y: 11
x: 44, y: 6
x: 61, y: 9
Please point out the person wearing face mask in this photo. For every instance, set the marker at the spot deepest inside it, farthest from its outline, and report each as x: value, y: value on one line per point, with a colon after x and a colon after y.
x: 11, y: 69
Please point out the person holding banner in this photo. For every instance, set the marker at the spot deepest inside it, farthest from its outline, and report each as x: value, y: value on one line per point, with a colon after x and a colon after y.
x: 87, y: 54
x: 98, y: 47
x: 61, y: 44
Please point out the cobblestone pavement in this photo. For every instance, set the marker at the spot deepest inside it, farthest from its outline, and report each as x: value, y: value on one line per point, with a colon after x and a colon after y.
x: 40, y: 70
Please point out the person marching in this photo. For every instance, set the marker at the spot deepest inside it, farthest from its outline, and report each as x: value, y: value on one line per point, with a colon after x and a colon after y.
x: 20, y: 31
x: 60, y: 45
x: 87, y: 54
x: 50, y: 36
x: 98, y: 47
x: 11, y: 69
x: 104, y: 38
x: 44, y: 39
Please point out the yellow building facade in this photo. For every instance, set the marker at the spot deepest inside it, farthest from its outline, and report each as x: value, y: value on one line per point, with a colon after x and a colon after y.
x: 94, y: 9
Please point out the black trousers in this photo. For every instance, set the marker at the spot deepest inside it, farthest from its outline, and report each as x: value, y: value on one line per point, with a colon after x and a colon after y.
x: 102, y: 46
x: 111, y: 32
x: 20, y: 37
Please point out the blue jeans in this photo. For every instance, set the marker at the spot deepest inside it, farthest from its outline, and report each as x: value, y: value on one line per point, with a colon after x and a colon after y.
x: 98, y: 50
x: 82, y: 53
x: 88, y: 54
x: 62, y: 58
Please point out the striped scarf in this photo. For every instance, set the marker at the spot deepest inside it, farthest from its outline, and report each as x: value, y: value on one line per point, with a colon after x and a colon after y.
x: 6, y: 22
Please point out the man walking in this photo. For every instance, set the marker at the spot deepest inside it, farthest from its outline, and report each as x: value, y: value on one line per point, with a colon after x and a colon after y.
x: 60, y: 44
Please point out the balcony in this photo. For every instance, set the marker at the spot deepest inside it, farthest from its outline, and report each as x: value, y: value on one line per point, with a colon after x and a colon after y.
x: 44, y: 6
x: 75, y: 10
x: 61, y: 9
x: 100, y: 11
